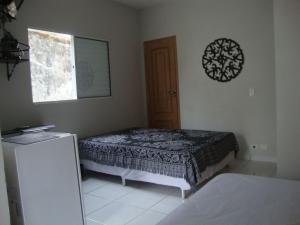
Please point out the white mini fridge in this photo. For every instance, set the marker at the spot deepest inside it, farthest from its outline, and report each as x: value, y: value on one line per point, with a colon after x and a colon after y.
x: 43, y: 179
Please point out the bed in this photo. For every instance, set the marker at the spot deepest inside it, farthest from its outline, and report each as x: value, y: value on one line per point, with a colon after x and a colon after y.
x: 174, y: 157
x: 232, y: 199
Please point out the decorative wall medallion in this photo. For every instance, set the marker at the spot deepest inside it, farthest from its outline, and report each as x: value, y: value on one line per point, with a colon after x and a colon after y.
x: 223, y: 60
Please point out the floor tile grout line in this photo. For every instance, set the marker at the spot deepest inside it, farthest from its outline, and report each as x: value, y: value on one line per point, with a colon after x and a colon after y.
x: 145, y: 213
x: 95, y: 221
x: 86, y: 215
x: 123, y: 195
x: 93, y: 195
x: 132, y: 192
x: 113, y: 201
x: 156, y: 211
x: 95, y: 189
x: 117, y: 200
x: 182, y: 201
x: 159, y: 201
x: 142, y: 213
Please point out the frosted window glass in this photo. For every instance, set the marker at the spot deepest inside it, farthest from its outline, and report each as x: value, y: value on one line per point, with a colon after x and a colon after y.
x: 92, y: 68
x: 51, y: 66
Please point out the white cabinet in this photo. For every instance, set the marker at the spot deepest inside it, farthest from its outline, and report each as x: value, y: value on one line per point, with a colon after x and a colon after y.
x: 4, y: 211
x: 44, y: 183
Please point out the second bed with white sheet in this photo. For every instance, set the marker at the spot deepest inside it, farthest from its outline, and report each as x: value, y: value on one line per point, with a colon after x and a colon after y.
x: 232, y: 199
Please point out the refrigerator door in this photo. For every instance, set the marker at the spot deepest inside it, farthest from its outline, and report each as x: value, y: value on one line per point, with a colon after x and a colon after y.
x: 49, y: 183
x: 4, y: 211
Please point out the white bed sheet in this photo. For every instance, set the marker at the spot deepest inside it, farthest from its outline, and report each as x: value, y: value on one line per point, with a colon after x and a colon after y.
x: 232, y: 199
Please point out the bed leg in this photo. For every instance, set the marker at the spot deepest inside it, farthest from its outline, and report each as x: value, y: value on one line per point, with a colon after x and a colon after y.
x: 123, y: 181
x: 183, y: 194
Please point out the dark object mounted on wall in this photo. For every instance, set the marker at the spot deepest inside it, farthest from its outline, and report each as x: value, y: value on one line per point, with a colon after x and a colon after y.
x: 9, y: 9
x: 223, y: 60
x: 12, y: 52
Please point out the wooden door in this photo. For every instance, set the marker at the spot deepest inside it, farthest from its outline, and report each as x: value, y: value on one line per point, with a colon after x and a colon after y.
x: 162, y: 83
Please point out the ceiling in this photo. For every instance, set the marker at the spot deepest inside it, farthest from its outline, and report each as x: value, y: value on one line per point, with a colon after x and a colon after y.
x: 141, y: 4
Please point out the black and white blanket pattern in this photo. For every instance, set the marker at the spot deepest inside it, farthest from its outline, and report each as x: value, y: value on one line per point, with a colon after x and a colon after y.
x: 176, y: 153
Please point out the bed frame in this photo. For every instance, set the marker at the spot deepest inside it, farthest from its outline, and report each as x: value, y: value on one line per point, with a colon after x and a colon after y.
x: 136, y: 175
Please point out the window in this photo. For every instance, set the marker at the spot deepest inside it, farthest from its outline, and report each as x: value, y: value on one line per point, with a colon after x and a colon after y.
x: 65, y: 67
x: 51, y: 66
x: 92, y: 68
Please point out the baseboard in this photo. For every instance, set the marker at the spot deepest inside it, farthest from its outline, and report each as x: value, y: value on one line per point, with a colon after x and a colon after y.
x: 263, y: 158
x: 256, y: 157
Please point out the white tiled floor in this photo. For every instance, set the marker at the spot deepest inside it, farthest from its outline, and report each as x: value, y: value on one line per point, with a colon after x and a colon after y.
x: 116, y: 213
x: 112, y: 191
x: 107, y: 202
x: 93, y: 203
x: 167, y: 205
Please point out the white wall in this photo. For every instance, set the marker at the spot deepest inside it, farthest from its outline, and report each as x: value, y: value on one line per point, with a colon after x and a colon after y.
x: 287, y: 37
x: 98, y: 19
x: 4, y: 211
x: 207, y: 104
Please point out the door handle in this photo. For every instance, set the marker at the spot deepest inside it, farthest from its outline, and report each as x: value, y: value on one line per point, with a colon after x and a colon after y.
x: 173, y: 93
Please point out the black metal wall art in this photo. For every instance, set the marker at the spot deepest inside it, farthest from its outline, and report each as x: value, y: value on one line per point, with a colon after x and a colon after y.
x: 12, y: 52
x: 223, y: 60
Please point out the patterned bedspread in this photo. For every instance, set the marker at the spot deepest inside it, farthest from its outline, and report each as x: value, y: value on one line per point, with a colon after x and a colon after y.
x: 176, y: 153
